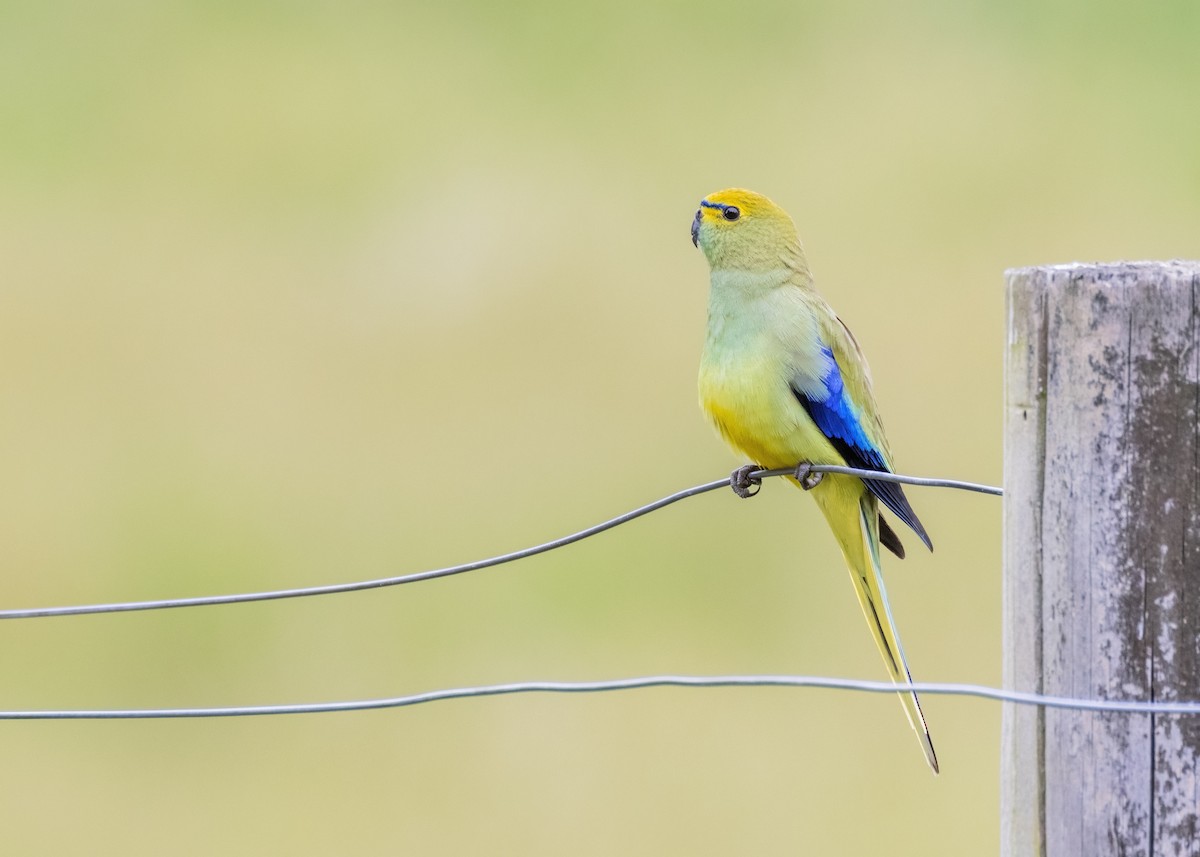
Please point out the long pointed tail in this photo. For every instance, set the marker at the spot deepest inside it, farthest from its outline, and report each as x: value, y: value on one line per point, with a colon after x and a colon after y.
x: 861, y: 550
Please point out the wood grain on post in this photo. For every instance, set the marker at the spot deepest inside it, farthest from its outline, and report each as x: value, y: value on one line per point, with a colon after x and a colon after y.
x: 1102, y: 557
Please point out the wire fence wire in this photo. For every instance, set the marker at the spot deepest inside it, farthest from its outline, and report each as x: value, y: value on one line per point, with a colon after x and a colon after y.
x: 948, y: 689
x: 477, y: 565
x: 943, y: 688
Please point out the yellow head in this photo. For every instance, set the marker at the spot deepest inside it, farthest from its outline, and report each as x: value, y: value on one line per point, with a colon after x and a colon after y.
x: 743, y: 230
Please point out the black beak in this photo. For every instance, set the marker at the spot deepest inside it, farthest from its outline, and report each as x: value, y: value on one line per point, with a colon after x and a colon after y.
x: 696, y: 229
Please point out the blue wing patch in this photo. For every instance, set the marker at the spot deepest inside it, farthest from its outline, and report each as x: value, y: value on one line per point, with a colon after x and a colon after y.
x: 838, y: 419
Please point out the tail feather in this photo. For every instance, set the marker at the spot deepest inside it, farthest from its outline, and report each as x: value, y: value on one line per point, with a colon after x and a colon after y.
x: 872, y: 596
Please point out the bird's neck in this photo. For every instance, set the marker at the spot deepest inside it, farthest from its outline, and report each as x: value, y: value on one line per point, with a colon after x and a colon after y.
x: 741, y: 303
x: 737, y: 290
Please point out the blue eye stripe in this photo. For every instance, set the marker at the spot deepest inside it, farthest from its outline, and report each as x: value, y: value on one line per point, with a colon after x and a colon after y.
x: 729, y: 212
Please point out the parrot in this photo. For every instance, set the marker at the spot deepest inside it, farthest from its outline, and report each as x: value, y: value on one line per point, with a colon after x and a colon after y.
x: 784, y: 382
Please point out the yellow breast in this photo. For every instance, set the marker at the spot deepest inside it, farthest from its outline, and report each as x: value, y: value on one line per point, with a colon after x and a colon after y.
x: 752, y: 406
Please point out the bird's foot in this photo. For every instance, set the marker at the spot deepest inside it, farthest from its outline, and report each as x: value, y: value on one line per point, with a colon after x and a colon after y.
x: 806, y: 477
x: 742, y: 482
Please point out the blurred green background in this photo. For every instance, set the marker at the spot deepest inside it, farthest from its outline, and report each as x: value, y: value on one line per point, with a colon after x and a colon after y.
x: 299, y: 293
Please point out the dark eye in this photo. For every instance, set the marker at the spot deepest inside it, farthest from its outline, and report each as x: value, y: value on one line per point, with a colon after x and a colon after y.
x: 731, y: 212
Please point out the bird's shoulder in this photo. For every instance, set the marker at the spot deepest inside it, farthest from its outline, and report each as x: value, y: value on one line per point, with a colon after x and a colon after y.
x: 845, y: 357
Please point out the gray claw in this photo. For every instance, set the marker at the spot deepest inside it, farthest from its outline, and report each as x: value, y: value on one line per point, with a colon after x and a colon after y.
x: 806, y: 477
x: 741, y: 481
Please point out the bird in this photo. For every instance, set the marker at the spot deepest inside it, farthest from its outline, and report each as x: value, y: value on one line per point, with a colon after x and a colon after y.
x: 784, y: 382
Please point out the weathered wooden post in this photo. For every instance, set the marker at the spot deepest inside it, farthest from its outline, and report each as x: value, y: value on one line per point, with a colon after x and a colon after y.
x: 1102, y: 557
